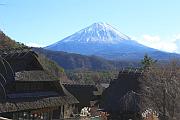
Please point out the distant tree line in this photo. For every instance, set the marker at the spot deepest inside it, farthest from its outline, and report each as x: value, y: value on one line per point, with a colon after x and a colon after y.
x: 91, y: 77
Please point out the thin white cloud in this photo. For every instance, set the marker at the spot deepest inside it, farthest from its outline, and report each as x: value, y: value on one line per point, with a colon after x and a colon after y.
x: 150, y: 38
x: 178, y: 45
x: 157, y: 42
x: 34, y: 45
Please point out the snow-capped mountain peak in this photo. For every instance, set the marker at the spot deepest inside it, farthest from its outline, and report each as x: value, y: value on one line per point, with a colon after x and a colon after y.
x: 97, y: 33
x: 101, y: 39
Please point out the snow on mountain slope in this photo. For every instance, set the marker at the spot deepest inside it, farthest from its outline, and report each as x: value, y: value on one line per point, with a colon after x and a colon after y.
x: 97, y: 33
x: 101, y: 39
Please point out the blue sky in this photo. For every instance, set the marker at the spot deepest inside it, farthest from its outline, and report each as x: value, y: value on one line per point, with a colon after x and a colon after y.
x: 155, y: 23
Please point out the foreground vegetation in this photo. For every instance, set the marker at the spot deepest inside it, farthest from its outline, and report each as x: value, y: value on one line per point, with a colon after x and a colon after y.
x: 161, y: 87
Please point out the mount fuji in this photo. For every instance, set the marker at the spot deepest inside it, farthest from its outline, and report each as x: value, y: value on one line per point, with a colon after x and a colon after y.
x: 101, y: 39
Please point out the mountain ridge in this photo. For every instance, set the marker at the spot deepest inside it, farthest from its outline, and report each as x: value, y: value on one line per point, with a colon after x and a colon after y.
x: 73, y: 61
x: 101, y: 39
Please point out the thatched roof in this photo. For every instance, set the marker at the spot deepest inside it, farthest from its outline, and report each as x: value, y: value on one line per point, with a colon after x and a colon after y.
x: 36, y: 75
x: 118, y: 97
x: 36, y: 103
x: 37, y: 100
x: 23, y: 61
x: 13, y: 61
x: 23, y: 68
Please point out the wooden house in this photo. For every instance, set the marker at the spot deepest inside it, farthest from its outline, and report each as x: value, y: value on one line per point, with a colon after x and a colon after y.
x: 29, y: 91
x: 87, y: 95
x: 121, y: 99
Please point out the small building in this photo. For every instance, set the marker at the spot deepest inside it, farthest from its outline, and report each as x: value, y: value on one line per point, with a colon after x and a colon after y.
x: 121, y: 99
x: 29, y: 91
x: 87, y: 95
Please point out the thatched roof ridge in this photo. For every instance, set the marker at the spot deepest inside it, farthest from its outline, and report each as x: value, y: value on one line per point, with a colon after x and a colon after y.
x: 23, y: 61
x: 67, y: 93
x: 131, y: 71
x: 11, y: 51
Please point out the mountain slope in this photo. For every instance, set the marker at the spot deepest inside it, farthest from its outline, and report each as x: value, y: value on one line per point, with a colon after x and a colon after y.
x: 72, y: 61
x: 103, y: 40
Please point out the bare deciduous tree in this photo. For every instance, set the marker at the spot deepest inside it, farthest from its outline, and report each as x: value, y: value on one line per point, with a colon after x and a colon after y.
x: 161, y: 89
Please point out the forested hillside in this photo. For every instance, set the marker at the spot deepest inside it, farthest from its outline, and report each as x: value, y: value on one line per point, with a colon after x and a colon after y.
x: 71, y: 61
x: 91, y: 77
x: 7, y: 42
x: 87, y: 69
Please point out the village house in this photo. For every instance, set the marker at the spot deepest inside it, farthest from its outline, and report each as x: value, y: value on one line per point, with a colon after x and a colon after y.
x: 121, y: 99
x: 29, y: 91
x: 87, y: 95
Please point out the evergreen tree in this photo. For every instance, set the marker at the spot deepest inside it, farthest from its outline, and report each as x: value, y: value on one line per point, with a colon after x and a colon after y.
x: 147, y: 62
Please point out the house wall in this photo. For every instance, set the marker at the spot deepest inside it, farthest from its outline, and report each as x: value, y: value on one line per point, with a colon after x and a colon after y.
x: 53, y: 113
x: 69, y: 110
x: 64, y: 111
